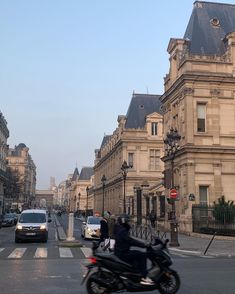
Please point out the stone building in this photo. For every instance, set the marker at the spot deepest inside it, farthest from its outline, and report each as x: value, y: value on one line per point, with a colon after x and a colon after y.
x: 81, y: 197
x: 199, y: 102
x: 44, y: 199
x: 4, y: 134
x: 23, y: 170
x: 138, y: 143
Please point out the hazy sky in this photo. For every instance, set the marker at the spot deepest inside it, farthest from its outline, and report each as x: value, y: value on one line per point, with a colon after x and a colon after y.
x: 68, y: 68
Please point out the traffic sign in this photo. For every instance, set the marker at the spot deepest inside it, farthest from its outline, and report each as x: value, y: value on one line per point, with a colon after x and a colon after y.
x: 173, y: 193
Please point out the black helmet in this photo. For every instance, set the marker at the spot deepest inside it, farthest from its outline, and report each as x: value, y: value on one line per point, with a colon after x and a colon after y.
x: 123, y: 219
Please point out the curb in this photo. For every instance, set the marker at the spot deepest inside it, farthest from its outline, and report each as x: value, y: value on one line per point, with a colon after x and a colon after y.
x: 190, y: 252
x: 200, y: 253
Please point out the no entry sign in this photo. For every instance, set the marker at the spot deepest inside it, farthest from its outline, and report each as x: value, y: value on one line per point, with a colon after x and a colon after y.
x: 173, y: 193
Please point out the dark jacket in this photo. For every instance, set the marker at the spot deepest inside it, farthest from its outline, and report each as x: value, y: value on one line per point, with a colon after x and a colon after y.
x: 123, y: 241
x: 152, y: 216
x: 104, y: 229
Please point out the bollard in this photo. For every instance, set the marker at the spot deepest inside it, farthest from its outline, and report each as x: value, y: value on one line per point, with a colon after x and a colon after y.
x: 70, y: 228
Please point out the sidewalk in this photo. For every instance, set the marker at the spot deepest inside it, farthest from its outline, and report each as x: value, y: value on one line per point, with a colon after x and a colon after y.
x: 196, y: 244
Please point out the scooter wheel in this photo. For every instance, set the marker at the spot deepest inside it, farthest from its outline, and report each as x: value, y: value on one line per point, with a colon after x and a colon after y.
x: 169, y: 283
x: 93, y: 287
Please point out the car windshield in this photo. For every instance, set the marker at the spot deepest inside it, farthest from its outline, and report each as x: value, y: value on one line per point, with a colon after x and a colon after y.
x: 33, y: 218
x: 93, y: 220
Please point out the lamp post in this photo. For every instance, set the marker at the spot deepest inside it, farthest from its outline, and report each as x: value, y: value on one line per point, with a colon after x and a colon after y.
x: 87, y: 192
x: 124, y: 169
x: 103, y: 180
x: 79, y: 199
x: 172, y: 146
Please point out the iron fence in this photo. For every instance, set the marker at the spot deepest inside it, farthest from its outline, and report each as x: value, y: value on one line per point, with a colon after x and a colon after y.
x: 206, y: 221
x: 146, y: 232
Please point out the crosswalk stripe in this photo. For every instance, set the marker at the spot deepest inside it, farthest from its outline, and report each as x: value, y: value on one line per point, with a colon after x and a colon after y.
x: 1, y: 249
x: 41, y: 253
x: 17, y: 253
x: 65, y: 252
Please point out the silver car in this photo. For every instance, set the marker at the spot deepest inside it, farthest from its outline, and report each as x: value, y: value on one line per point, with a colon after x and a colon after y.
x: 91, y: 228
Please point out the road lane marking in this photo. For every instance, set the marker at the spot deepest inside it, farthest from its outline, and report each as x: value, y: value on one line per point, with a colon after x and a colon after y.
x: 1, y: 249
x: 41, y: 253
x: 17, y: 253
x: 65, y: 252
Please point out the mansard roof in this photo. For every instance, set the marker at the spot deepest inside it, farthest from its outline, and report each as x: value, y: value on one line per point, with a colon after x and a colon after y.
x: 75, y: 175
x: 86, y: 173
x: 208, y: 25
x: 105, y: 139
x: 141, y: 105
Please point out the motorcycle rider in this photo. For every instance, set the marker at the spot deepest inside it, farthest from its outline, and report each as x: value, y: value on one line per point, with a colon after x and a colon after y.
x: 123, y: 242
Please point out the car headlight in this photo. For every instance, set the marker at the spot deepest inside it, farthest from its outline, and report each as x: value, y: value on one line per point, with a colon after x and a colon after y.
x: 19, y: 227
x: 89, y: 229
x: 42, y: 227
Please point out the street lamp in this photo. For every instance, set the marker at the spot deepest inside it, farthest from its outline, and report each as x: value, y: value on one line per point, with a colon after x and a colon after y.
x: 79, y: 199
x: 87, y: 191
x: 172, y: 146
x: 103, y: 180
x: 124, y: 169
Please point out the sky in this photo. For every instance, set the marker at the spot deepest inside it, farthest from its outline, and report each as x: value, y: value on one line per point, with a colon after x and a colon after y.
x: 68, y: 68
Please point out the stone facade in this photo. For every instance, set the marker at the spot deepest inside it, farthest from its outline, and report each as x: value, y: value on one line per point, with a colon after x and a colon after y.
x: 4, y: 134
x: 44, y: 199
x: 138, y: 141
x: 81, y: 197
x: 199, y: 101
x: 23, y: 170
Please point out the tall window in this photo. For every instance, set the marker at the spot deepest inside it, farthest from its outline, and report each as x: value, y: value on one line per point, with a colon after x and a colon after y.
x: 131, y: 159
x: 154, y: 159
x: 201, y: 117
x: 154, y: 128
x: 203, y: 195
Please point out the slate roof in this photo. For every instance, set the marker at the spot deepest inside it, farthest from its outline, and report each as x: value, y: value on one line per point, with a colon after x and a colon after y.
x: 206, y: 35
x: 75, y: 175
x: 105, y: 139
x: 86, y: 173
x: 140, y: 106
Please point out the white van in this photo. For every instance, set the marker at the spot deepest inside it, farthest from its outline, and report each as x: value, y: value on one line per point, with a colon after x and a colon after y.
x: 32, y: 225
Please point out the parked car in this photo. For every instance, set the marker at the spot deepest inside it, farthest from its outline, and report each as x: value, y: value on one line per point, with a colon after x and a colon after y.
x: 32, y: 225
x: 91, y: 228
x: 8, y: 220
x: 15, y: 216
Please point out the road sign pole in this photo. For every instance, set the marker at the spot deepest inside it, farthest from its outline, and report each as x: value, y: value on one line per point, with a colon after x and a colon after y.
x: 173, y: 223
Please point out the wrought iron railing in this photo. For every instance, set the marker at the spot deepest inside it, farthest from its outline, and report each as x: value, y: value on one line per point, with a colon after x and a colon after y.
x: 206, y: 221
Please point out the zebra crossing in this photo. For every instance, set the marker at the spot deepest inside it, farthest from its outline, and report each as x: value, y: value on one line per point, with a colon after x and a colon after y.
x: 55, y: 252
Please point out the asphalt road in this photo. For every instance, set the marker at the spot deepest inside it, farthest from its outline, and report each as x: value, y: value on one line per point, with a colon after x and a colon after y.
x: 58, y: 273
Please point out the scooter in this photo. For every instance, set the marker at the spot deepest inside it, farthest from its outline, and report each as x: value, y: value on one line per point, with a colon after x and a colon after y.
x: 106, y: 273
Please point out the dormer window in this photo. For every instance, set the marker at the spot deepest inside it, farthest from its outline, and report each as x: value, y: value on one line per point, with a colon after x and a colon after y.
x: 215, y: 22
x: 154, y: 128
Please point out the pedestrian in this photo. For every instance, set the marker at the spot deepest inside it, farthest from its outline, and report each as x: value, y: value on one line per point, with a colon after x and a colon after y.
x: 123, y: 242
x: 104, y: 228
x: 112, y: 224
x: 152, y: 218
